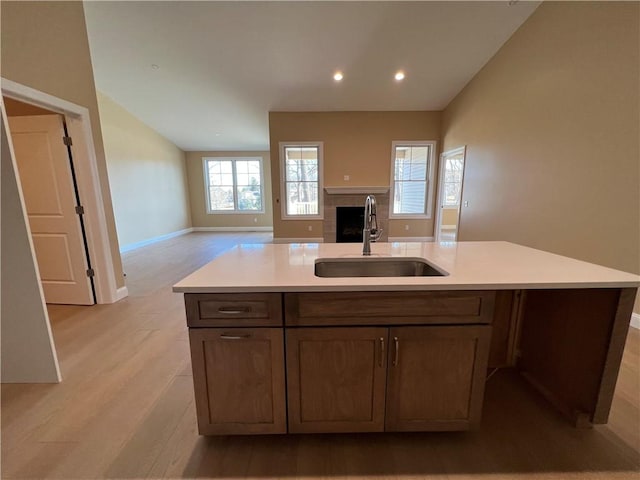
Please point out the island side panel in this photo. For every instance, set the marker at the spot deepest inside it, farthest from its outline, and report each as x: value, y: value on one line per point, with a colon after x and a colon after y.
x: 503, y: 325
x: 571, y: 345
x: 614, y: 354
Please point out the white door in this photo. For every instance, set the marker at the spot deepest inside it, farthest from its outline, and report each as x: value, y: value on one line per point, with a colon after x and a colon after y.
x: 49, y: 194
x: 450, y: 181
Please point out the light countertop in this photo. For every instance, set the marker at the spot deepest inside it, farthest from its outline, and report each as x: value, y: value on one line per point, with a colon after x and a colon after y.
x: 470, y: 266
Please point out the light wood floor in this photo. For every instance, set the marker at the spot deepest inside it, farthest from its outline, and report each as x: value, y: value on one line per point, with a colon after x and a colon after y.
x: 125, y: 407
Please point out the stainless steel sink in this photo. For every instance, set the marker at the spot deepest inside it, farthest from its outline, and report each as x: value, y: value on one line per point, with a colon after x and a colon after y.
x: 376, y: 267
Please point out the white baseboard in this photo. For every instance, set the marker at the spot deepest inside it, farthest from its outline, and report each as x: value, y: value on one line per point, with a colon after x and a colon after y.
x: 149, y: 241
x: 233, y: 229
x: 121, y: 293
x: 298, y: 240
x: 635, y: 320
x: 410, y: 239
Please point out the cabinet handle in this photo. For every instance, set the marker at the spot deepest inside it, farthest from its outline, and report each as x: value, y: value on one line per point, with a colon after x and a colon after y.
x: 233, y: 310
x: 381, y: 361
x: 397, y: 345
x: 239, y: 336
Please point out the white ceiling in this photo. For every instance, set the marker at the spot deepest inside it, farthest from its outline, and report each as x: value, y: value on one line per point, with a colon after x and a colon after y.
x: 224, y: 65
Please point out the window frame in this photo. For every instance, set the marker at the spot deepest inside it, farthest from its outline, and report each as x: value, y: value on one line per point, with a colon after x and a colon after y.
x: 428, y: 213
x: 235, y: 211
x: 283, y: 181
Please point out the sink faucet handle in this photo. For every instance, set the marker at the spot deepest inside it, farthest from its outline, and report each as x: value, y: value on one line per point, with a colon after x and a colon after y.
x: 376, y: 234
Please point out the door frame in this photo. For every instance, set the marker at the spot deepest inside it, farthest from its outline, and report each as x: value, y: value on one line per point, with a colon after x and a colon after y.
x: 78, y: 123
x: 441, y: 161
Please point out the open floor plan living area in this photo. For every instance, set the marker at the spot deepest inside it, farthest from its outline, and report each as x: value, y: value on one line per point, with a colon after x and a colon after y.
x: 320, y: 239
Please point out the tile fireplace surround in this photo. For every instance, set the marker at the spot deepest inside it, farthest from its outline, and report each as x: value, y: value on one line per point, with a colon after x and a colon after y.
x: 354, y: 197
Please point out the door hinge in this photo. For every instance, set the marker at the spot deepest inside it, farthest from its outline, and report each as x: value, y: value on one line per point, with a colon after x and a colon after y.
x: 79, y: 209
x: 90, y: 272
x: 67, y: 141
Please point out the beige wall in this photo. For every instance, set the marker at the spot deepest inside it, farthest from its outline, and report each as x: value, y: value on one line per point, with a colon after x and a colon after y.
x: 147, y: 175
x: 199, y: 213
x: 551, y: 125
x: 45, y: 46
x: 27, y: 351
x: 357, y: 144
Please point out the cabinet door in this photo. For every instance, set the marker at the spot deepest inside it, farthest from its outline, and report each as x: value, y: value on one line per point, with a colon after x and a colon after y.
x: 238, y: 376
x: 436, y: 377
x: 336, y: 379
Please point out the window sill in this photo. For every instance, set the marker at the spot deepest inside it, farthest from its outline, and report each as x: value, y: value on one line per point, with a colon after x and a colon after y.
x: 410, y: 217
x: 235, y: 212
x: 303, y: 217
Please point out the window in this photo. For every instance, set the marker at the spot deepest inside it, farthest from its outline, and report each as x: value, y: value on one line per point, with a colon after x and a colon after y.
x: 233, y: 185
x: 301, y: 180
x: 412, y: 177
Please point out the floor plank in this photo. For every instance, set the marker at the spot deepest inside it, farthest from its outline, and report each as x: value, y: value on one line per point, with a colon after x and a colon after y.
x: 125, y: 407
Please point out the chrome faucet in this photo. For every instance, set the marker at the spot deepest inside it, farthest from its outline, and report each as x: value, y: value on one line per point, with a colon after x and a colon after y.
x: 370, y: 232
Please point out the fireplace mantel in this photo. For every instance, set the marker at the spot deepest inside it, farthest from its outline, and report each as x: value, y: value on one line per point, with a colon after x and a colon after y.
x: 355, y: 190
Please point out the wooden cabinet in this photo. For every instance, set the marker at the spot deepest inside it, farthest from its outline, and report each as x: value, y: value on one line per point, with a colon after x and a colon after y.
x: 433, y: 377
x: 336, y: 379
x: 238, y: 377
x: 355, y: 361
x: 436, y: 377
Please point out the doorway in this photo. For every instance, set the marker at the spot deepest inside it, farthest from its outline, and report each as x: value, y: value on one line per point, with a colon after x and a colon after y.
x: 100, y: 243
x: 47, y: 177
x: 450, y: 184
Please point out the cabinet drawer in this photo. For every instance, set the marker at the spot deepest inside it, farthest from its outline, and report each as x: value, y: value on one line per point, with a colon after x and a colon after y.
x: 233, y: 309
x: 388, y: 308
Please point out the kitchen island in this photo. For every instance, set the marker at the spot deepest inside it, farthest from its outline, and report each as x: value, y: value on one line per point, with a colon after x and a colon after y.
x: 277, y: 349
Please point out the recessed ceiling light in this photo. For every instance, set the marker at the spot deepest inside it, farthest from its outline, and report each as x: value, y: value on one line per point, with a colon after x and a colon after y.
x: 399, y: 75
x: 154, y: 66
x: 218, y: 134
x: 338, y: 76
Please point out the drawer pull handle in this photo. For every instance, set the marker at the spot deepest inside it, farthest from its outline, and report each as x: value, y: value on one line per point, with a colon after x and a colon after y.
x: 233, y: 310
x: 239, y: 336
x: 397, y: 345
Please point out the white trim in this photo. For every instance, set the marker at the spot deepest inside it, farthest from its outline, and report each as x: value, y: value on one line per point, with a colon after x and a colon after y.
x: 298, y: 240
x: 95, y: 219
x: 283, y: 192
x: 235, y: 211
x: 429, y: 187
x: 410, y: 239
x: 439, y: 206
x: 83, y: 150
x: 355, y: 190
x: 635, y: 320
x: 233, y: 229
x: 35, y: 97
x: 149, y: 241
x: 121, y: 293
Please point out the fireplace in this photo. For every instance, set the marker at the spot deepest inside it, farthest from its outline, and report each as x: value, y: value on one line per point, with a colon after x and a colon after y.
x: 349, y: 223
x: 336, y: 198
